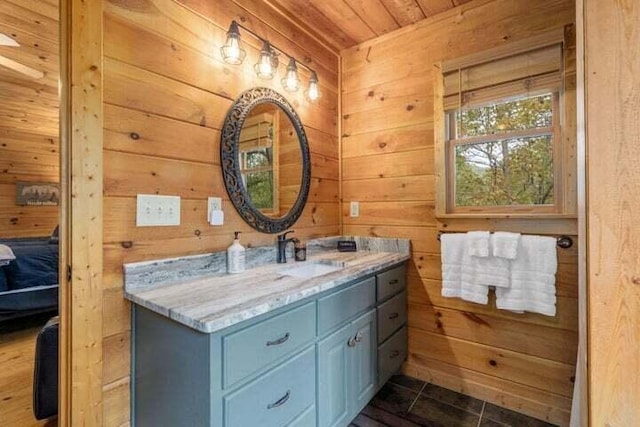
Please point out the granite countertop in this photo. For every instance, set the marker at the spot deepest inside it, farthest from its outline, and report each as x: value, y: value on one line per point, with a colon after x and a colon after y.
x: 219, y: 300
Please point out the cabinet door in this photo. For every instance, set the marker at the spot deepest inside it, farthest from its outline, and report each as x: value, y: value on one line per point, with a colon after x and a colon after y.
x: 334, y: 356
x: 363, y: 361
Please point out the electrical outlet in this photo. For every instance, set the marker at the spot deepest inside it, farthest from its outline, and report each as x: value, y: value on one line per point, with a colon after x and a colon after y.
x: 355, y: 209
x: 153, y: 210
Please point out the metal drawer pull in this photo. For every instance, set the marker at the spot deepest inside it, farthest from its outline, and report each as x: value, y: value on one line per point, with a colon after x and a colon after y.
x: 279, y: 340
x: 352, y: 342
x: 394, y: 354
x: 393, y: 282
x: 393, y: 316
x: 280, y: 401
x: 358, y: 336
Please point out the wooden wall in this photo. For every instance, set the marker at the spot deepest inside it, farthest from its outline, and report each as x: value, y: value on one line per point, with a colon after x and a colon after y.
x: 29, y: 143
x: 612, y: 89
x: 166, y: 93
x: 524, y: 362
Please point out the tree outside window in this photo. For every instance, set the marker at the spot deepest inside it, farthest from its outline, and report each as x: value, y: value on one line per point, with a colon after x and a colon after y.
x: 502, y: 152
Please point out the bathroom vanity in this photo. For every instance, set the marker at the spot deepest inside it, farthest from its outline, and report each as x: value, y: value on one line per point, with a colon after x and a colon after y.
x: 301, y: 344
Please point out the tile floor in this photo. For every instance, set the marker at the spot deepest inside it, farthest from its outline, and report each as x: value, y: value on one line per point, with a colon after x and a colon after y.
x: 408, y: 402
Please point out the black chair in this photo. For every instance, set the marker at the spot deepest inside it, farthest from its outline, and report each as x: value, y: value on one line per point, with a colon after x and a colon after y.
x: 45, y: 374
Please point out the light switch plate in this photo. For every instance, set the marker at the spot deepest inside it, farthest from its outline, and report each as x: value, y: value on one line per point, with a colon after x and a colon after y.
x: 354, y: 209
x: 213, y: 204
x: 155, y: 211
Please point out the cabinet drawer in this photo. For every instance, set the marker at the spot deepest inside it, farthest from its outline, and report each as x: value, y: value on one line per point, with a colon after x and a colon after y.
x: 340, y: 306
x: 279, y: 398
x: 392, y: 315
x: 391, y: 354
x: 391, y: 282
x: 249, y: 350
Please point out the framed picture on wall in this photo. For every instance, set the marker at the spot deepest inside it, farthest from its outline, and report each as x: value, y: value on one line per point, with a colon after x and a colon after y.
x: 37, y: 194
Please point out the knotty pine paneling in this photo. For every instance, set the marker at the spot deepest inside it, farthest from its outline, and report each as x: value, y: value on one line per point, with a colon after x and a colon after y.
x: 612, y: 88
x: 166, y: 94
x: 29, y: 152
x: 521, y: 361
x: 29, y: 114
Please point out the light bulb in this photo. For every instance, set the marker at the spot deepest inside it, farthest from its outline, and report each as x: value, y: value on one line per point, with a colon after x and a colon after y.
x: 231, y: 51
x: 266, y: 65
x: 291, y: 81
x: 313, y: 92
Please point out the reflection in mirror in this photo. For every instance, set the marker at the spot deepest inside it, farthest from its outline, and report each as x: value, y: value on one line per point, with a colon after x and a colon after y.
x: 265, y: 160
x: 270, y: 160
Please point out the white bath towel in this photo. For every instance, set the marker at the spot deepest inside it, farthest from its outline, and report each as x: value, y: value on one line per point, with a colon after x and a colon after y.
x: 6, y: 255
x: 505, y: 244
x: 491, y: 270
x: 452, y: 248
x: 532, y: 278
x: 478, y: 243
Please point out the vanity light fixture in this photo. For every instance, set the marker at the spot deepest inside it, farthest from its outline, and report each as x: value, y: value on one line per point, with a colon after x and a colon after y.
x: 291, y: 81
x: 233, y: 53
x: 312, y: 92
x: 268, y: 62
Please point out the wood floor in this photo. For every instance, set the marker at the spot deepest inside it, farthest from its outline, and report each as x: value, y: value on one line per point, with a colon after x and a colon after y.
x: 17, y: 351
x: 408, y: 402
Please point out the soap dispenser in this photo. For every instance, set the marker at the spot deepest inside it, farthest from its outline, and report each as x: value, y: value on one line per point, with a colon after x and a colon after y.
x: 235, y: 255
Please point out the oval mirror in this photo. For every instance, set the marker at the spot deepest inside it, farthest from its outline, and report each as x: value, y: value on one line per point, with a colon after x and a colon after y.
x: 265, y: 160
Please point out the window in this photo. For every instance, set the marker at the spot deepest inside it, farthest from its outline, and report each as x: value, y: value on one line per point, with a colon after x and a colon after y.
x: 499, y: 133
x: 503, y: 152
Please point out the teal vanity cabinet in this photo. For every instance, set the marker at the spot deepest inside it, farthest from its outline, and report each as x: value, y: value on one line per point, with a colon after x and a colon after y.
x: 315, y: 362
x: 346, y: 357
x: 392, y: 322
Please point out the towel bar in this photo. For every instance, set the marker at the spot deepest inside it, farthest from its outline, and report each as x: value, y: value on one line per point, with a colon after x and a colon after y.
x: 563, y: 242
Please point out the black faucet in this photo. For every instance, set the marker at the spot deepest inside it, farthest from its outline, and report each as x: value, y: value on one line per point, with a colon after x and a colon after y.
x: 282, y: 246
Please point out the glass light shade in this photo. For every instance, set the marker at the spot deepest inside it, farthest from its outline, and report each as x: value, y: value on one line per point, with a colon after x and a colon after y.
x: 313, y: 91
x: 291, y: 81
x: 232, y: 52
x: 266, y: 66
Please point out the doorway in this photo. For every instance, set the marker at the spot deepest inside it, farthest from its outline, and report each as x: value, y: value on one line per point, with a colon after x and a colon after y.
x: 29, y: 196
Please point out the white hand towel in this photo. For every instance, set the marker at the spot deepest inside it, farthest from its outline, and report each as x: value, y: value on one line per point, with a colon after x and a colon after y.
x: 532, y: 278
x: 505, y: 245
x: 6, y: 255
x: 478, y: 243
x: 472, y: 289
x: 452, y: 248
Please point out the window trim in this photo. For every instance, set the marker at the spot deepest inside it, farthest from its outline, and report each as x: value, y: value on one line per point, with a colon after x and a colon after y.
x: 564, y: 144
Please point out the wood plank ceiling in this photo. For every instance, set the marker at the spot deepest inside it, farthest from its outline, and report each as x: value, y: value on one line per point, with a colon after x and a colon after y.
x: 30, y: 104
x: 346, y: 23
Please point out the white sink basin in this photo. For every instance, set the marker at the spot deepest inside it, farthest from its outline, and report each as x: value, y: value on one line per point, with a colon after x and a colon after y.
x: 313, y: 269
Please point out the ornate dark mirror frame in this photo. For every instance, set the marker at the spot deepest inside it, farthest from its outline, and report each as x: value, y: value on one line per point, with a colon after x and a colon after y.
x: 229, y: 158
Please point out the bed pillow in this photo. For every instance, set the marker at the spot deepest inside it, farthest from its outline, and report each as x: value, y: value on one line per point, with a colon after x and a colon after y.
x: 35, y: 265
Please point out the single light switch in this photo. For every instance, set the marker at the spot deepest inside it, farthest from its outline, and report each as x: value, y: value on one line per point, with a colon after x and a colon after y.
x: 355, y: 209
x: 155, y: 211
